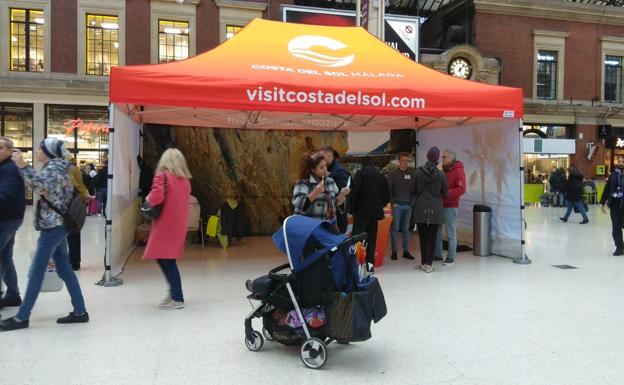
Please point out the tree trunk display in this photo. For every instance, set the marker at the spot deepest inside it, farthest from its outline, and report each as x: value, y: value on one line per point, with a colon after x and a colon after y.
x: 259, y: 166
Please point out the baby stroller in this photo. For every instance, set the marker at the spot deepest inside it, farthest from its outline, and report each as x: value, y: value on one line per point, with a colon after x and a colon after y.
x: 321, y: 300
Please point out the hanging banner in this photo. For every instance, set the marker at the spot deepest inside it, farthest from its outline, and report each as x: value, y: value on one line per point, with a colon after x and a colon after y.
x: 364, y: 14
x: 401, y: 32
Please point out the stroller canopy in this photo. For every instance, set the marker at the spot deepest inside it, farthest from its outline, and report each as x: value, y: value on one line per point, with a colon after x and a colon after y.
x: 305, y: 240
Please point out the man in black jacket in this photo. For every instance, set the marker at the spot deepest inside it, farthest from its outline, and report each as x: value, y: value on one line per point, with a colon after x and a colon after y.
x: 613, y: 196
x: 369, y: 195
x: 12, y: 206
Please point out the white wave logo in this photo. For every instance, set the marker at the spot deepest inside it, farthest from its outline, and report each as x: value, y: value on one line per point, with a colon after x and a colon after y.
x: 300, y: 47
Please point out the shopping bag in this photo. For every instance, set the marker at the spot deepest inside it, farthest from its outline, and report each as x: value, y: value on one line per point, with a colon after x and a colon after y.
x: 93, y: 206
x: 51, y: 281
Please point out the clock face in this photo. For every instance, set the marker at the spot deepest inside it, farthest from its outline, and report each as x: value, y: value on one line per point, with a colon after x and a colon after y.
x: 460, y: 68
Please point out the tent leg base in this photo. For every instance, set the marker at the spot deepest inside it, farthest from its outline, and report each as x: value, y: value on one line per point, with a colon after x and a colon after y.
x: 522, y: 260
x: 108, y: 281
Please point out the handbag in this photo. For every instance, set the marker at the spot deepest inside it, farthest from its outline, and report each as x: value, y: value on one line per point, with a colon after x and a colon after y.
x: 150, y: 212
x: 51, y: 281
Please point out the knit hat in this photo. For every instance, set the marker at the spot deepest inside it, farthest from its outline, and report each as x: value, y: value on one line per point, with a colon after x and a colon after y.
x: 433, y: 154
x: 53, y: 148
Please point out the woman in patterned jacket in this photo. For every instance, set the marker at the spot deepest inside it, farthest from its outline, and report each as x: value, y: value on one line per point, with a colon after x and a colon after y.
x: 316, y: 195
x: 53, y: 183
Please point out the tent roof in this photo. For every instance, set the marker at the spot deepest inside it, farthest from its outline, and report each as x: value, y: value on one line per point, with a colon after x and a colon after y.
x: 281, y: 75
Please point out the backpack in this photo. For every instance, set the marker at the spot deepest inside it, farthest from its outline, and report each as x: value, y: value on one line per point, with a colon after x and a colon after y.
x: 74, y: 217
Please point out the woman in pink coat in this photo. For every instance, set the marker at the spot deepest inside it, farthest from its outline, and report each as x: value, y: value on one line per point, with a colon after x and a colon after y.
x: 171, y: 188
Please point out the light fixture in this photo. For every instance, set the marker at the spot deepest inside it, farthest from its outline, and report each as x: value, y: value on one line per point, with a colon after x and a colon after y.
x: 175, y: 31
x: 92, y: 22
x: 39, y: 20
x: 186, y: 30
x: 110, y: 25
x: 116, y: 44
x: 229, y: 35
x: 13, y: 38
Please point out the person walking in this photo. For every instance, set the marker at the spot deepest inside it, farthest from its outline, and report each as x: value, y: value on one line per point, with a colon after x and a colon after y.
x: 54, y: 186
x: 401, y: 186
x: 341, y: 176
x: 316, y: 195
x: 73, y: 240
x: 612, y: 197
x: 12, y: 207
x: 431, y: 189
x: 557, y: 182
x: 369, y: 195
x: 456, y: 181
x: 171, y: 188
x: 101, y: 184
x: 574, y: 195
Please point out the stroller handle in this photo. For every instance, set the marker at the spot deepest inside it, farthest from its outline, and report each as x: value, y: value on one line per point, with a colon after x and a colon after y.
x: 352, y: 240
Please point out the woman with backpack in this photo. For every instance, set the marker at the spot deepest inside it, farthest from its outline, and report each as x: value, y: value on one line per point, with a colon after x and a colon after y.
x: 171, y: 189
x: 431, y: 189
x: 54, y: 185
x: 315, y: 194
x: 574, y: 195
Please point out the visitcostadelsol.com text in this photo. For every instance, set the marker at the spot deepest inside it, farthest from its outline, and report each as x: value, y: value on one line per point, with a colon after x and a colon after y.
x: 280, y: 95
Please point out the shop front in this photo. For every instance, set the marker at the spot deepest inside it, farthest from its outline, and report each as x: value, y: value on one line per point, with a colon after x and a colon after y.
x: 541, y: 158
x: 614, y: 146
x: 16, y: 123
x: 84, y: 130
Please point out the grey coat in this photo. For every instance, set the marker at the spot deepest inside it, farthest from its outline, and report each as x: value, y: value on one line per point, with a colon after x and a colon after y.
x: 431, y: 188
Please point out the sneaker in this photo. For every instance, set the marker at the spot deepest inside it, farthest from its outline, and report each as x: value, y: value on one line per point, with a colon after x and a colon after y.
x: 428, y: 269
x: 422, y: 267
x: 12, y: 324
x: 584, y: 222
x: 618, y: 253
x: 167, y: 299
x: 73, y: 318
x: 10, y: 302
x: 449, y: 262
x: 438, y: 259
x: 407, y: 255
x: 172, y: 305
x: 394, y: 256
x: 563, y: 220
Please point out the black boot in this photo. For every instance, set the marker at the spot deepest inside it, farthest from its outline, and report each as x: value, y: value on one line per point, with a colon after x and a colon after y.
x: 12, y: 324
x: 394, y: 256
x: 407, y: 255
x: 73, y: 318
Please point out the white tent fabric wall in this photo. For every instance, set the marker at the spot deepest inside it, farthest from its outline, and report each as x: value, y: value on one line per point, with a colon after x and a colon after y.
x: 125, y: 201
x: 490, y: 154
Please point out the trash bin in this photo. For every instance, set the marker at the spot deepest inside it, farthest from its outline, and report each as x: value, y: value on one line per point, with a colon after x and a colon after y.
x: 481, y: 225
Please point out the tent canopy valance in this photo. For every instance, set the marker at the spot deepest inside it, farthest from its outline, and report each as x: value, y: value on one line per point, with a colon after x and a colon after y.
x: 278, y: 75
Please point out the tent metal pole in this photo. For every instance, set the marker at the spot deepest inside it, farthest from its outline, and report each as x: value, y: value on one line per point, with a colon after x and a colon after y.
x: 522, y: 259
x: 107, y: 278
x: 358, y: 11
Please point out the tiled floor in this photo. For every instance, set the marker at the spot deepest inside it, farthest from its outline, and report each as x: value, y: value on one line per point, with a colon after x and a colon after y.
x: 483, y: 321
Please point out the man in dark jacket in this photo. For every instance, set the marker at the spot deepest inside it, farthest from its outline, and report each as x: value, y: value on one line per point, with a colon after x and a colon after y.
x: 613, y: 196
x: 341, y: 176
x: 12, y: 206
x: 369, y: 195
x: 557, y: 183
x: 574, y: 195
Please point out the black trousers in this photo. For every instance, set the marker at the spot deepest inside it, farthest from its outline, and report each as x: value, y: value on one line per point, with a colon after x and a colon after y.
x: 617, y: 224
x: 362, y: 223
x: 341, y: 221
x: 428, y: 234
x: 73, y: 243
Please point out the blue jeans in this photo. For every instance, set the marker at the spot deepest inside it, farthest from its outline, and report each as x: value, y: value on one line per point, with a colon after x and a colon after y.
x: 52, y: 243
x: 450, y: 226
x: 169, y: 268
x: 401, y: 216
x: 7, y: 267
x: 579, y: 206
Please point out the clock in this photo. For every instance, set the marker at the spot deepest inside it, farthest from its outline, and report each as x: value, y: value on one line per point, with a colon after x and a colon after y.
x: 460, y: 68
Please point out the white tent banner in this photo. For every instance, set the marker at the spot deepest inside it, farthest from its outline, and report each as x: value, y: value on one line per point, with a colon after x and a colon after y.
x: 124, y: 211
x: 491, y: 157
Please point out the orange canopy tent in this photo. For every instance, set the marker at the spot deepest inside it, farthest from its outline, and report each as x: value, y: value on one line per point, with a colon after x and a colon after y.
x: 274, y: 75
x: 293, y: 76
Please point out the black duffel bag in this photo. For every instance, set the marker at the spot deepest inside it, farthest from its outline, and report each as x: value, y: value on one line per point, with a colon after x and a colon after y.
x: 371, y: 285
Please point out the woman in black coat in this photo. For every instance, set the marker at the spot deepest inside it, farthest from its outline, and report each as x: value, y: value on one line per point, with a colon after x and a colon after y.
x: 574, y: 195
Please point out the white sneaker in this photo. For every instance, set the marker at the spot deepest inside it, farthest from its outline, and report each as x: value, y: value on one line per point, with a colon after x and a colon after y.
x: 428, y: 269
x: 172, y: 305
x: 421, y: 267
x: 165, y: 301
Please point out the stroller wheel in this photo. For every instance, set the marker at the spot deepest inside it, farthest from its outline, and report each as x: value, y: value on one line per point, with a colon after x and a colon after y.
x: 314, y: 353
x: 257, y: 342
x: 267, y: 335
